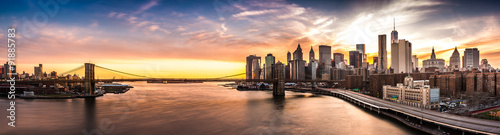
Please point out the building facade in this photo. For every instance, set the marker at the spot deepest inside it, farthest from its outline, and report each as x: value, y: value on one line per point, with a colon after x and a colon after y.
x: 455, y: 60
x: 361, y: 49
x: 414, y: 62
x: 338, y: 58
x: 253, y: 67
x: 401, y: 56
x: 270, y: 60
x: 471, y: 58
x: 355, y: 59
x: 298, y: 65
x: 382, y: 53
x: 412, y: 93
x: 430, y: 65
x: 325, y: 58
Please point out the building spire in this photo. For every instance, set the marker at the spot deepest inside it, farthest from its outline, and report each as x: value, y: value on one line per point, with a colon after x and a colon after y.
x: 394, y: 23
x: 433, y: 55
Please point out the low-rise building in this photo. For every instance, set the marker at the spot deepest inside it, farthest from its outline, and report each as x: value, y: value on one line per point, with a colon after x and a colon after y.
x: 412, y: 93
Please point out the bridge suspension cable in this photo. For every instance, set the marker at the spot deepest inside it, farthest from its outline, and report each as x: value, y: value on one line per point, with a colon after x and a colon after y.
x: 72, y: 70
x: 230, y: 76
x: 121, y: 72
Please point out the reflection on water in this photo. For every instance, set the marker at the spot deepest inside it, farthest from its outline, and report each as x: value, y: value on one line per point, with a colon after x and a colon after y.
x: 197, y: 109
x: 90, y: 112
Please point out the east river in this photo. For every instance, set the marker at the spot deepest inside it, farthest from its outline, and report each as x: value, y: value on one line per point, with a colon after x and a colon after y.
x: 196, y: 109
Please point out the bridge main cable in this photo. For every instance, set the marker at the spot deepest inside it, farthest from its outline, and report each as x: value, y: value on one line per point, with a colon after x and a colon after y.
x: 121, y: 72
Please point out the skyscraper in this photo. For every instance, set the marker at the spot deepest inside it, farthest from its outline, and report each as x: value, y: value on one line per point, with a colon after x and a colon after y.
x: 288, y: 71
x: 7, y: 72
x: 382, y: 54
x: 311, y: 55
x: 455, y: 60
x: 288, y: 57
x: 355, y: 59
x: 414, y: 61
x: 337, y: 58
x: 269, y: 66
x: 298, y: 64
x: 401, y: 56
x: 39, y: 71
x: 253, y: 62
x: 325, y: 59
x: 471, y: 58
x: 394, y: 34
x: 361, y: 48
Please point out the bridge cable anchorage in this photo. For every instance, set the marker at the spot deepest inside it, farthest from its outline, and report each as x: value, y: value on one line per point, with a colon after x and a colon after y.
x: 121, y: 72
x: 230, y: 76
x: 72, y: 70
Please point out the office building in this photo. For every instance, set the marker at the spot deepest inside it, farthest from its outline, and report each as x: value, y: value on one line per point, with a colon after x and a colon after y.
x: 312, y: 67
x: 394, y: 34
x: 39, y: 71
x: 288, y: 71
x: 270, y: 60
x: 401, y: 56
x: 311, y: 55
x: 412, y: 93
x: 471, y: 58
x: 361, y: 49
x: 325, y: 59
x: 253, y: 67
x: 7, y: 72
x: 338, y: 58
x: 382, y: 53
x: 298, y: 64
x: 355, y: 59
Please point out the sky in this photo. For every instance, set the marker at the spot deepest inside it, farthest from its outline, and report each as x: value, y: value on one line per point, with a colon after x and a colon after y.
x: 211, y: 38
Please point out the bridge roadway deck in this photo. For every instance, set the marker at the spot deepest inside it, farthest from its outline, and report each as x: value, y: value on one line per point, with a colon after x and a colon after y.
x: 461, y: 122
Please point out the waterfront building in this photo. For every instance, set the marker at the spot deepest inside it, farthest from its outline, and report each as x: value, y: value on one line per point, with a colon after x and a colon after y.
x: 361, y: 49
x: 382, y: 53
x: 455, y: 60
x: 431, y: 64
x: 311, y: 55
x: 412, y: 93
x: 252, y: 67
x: 401, y: 56
x: 325, y: 59
x: 298, y: 64
x: 53, y: 75
x: 39, y: 71
x: 355, y: 59
x: 6, y: 70
x: 288, y: 71
x: 312, y: 67
x: 270, y: 60
x: 470, y: 58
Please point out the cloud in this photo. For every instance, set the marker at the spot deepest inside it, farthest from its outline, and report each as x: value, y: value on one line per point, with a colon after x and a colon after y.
x: 94, y: 25
x: 147, y: 6
x: 253, y: 13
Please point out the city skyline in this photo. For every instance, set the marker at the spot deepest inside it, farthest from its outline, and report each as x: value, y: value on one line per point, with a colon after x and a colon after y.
x: 172, y: 39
